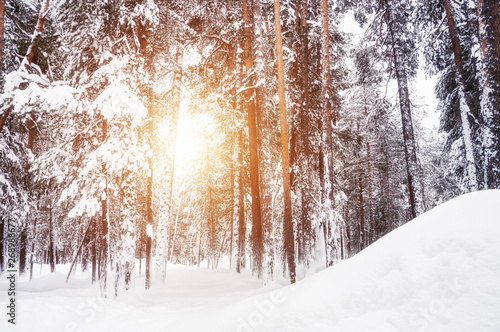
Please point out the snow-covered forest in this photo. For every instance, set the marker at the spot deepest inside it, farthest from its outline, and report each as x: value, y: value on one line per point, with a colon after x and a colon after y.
x: 256, y: 137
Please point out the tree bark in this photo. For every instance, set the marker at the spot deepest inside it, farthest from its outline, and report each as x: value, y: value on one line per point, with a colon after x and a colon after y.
x: 211, y: 229
x: 410, y: 146
x: 295, y: 108
x: 232, y: 70
x: 2, y: 244
x: 103, y: 266
x: 306, y: 150
x: 264, y: 131
x: 32, y: 251
x: 51, y: 242
x: 3, y: 118
x: 126, y: 230
x: 232, y: 179
x: 240, y: 263
x: 362, y: 226
x: 328, y: 118
x: 82, y: 243
x: 162, y: 245
x: 371, y: 224
x: 143, y: 36
x: 289, y: 243
x: 472, y: 182
x: 22, y: 251
x: 93, y: 238
x: 149, y: 211
x: 257, y: 231
x: 2, y: 28
x: 30, y: 54
x: 369, y: 177
x: 489, y: 40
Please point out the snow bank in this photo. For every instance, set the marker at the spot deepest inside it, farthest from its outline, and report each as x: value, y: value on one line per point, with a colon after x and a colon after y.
x: 440, y: 272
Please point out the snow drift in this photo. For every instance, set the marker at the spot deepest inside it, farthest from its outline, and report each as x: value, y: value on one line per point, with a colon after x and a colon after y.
x: 440, y: 272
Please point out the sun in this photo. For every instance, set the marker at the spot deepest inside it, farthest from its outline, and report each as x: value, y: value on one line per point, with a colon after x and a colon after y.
x: 189, y: 138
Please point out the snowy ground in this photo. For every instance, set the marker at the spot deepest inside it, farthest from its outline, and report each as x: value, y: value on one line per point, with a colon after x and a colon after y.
x: 440, y: 272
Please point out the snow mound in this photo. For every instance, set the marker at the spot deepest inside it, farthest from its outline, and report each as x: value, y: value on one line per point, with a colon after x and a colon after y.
x: 439, y: 272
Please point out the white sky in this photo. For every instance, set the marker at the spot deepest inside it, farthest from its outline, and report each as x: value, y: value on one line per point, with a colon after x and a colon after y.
x: 422, y: 87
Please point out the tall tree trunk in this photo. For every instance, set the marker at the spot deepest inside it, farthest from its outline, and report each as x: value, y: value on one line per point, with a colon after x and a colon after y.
x: 170, y: 258
x: 386, y: 180
x: 257, y: 231
x: 342, y: 243
x: 149, y: 210
x: 489, y: 40
x: 143, y: 36
x: 289, y: 243
x: 295, y: 108
x: 2, y: 244
x: 173, y: 118
x: 369, y: 175
x: 232, y: 179
x: 410, y: 146
x: 369, y: 179
x: 103, y: 261
x: 306, y: 150
x: 83, y: 243
x: 22, y: 251
x: 300, y: 148
x: 2, y: 25
x: 93, y: 239
x: 51, y: 241
x: 472, y: 182
x: 264, y: 131
x: 32, y: 251
x: 85, y: 255
x: 125, y: 258
x: 240, y: 263
x: 326, y: 93
x: 329, y: 118
x: 232, y: 70
x: 324, y: 225
x: 362, y: 226
x: 324, y: 222
x: 211, y: 229
x: 199, y: 250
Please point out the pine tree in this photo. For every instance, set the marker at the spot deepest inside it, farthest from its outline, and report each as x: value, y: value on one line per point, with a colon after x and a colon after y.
x: 257, y: 231
x: 241, y: 258
x: 2, y: 28
x: 449, y: 51
x: 288, y: 233
x: 489, y: 41
x: 396, y: 39
x: 472, y: 180
x: 328, y: 122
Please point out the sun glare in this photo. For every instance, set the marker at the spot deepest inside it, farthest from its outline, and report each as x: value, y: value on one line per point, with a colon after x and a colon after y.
x: 190, y: 141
